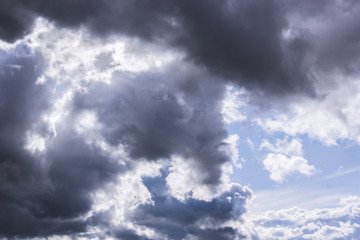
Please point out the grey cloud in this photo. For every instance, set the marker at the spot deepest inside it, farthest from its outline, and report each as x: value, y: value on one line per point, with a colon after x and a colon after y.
x: 173, y: 111
x: 178, y: 220
x: 238, y: 41
x: 331, y: 28
x: 340, y: 48
x: 154, y: 115
x: 160, y: 114
x: 134, y: 17
x: 170, y: 218
x: 104, y: 61
x: 42, y: 193
x: 76, y: 170
x: 15, y: 21
x: 101, y: 220
x: 127, y: 234
x: 22, y: 176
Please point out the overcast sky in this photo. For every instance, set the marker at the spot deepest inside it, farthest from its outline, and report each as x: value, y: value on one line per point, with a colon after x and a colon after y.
x: 169, y: 119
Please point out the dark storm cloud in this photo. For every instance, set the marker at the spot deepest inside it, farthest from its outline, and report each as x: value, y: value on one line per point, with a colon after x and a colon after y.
x: 15, y: 21
x: 331, y: 29
x: 42, y: 193
x: 161, y: 114
x: 339, y: 47
x: 177, y: 220
x: 137, y: 17
x: 239, y: 41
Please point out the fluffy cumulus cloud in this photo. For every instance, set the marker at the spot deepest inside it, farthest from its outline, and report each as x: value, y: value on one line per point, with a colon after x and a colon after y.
x: 286, y: 158
x: 114, y: 115
x: 322, y: 223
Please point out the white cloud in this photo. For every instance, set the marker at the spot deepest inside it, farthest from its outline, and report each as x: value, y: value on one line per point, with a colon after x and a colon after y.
x: 286, y: 159
x: 341, y: 172
x: 120, y: 198
x: 293, y: 147
x: 303, y: 196
x: 71, y: 58
x: 232, y: 149
x: 75, y: 57
x: 250, y: 143
x: 281, y: 166
x: 234, y: 99
x: 327, y: 119
x: 322, y: 223
x: 185, y: 181
x: 34, y: 142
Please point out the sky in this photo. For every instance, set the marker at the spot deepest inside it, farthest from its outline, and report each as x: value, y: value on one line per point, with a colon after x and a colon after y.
x: 169, y: 119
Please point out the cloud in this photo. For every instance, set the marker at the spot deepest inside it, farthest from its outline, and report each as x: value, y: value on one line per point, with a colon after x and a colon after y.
x: 293, y: 147
x: 154, y: 117
x: 286, y: 159
x: 280, y: 166
x: 330, y: 29
x: 332, y: 117
x: 74, y: 130
x: 233, y: 101
x: 42, y: 192
x: 264, y: 46
x: 342, y: 172
x: 114, y: 114
x: 197, y: 218
x: 14, y: 21
x: 247, y: 46
x: 247, y: 37
x: 320, y: 223
x: 151, y: 211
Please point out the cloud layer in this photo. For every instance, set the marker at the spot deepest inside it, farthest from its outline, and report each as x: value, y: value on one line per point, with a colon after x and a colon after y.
x: 327, y: 223
x: 238, y: 41
x: 70, y: 135
x: 114, y: 114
